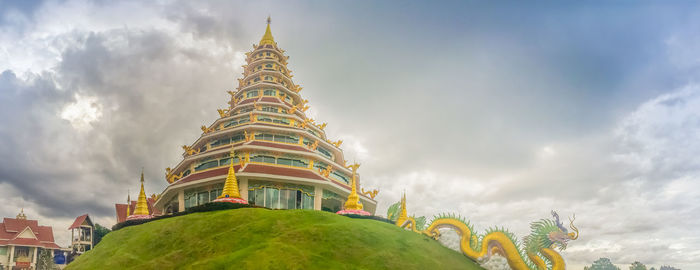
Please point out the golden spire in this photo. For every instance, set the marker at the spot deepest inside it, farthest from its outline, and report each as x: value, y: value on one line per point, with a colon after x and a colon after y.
x: 128, y: 201
x: 141, y: 204
x: 21, y: 214
x: 267, y: 39
x: 231, y: 184
x: 353, y: 202
x: 403, y: 216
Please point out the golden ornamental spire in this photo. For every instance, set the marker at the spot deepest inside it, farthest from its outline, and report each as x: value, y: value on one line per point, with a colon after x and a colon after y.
x: 267, y: 39
x: 141, y: 204
x: 353, y: 202
x: 21, y: 214
x: 353, y: 205
x: 403, y: 216
x: 128, y: 202
x: 231, y: 184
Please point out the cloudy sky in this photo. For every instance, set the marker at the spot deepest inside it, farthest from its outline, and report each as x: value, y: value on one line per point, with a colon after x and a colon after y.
x: 499, y: 112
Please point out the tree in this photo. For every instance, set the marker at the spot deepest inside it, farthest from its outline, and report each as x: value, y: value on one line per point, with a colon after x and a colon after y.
x: 602, y: 264
x: 666, y: 267
x: 100, y: 232
x: 638, y: 266
x: 45, y: 260
x: 393, y: 212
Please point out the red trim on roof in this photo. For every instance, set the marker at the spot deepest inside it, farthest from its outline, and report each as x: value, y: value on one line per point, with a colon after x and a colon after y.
x: 10, y: 228
x: 78, y: 221
x: 271, y: 99
x: 283, y: 171
x: 206, y: 174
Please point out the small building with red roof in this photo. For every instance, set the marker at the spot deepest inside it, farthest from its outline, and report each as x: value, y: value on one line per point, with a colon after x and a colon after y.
x: 82, y: 231
x: 21, y: 240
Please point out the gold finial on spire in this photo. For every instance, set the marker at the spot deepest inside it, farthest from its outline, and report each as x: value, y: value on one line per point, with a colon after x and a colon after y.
x: 267, y: 39
x: 128, y: 201
x: 21, y: 214
x: 353, y: 202
x: 403, y: 216
x: 141, y: 204
x: 231, y: 184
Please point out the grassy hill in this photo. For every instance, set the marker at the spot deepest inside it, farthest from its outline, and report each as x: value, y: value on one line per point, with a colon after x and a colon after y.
x: 254, y: 238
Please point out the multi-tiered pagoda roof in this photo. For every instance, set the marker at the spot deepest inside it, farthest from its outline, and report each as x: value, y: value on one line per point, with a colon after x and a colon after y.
x: 280, y: 153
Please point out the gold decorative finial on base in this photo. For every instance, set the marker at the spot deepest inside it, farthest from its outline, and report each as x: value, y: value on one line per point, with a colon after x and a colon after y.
x: 231, y: 193
x: 141, y: 211
x: 353, y: 205
x: 267, y: 39
x: 403, y: 215
x: 21, y: 214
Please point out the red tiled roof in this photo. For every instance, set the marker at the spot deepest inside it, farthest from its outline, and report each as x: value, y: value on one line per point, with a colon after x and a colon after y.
x: 247, y: 101
x: 270, y: 99
x: 17, y: 225
x: 10, y: 228
x: 78, y: 221
x: 25, y: 242
x: 280, y: 145
x: 206, y: 174
x: 301, y: 173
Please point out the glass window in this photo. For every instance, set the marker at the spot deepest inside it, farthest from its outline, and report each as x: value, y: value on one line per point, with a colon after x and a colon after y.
x: 300, y: 163
x: 259, y: 197
x: 269, y: 92
x: 267, y: 53
x: 307, y: 202
x: 324, y: 152
x: 3, y: 250
x: 284, y: 161
x: 272, y: 198
x: 202, y: 198
x: 256, y: 79
x: 268, y: 65
x: 207, y: 165
x: 270, y: 109
x: 268, y: 78
x: 253, y: 93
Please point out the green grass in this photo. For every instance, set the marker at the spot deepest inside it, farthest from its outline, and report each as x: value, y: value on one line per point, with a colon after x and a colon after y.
x: 253, y: 238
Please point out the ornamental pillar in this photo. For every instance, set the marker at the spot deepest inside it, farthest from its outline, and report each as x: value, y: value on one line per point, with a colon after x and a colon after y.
x: 243, y: 185
x: 318, y: 197
x: 181, y: 200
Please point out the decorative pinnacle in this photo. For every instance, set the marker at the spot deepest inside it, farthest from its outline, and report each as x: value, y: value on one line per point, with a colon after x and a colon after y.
x: 231, y: 184
x: 268, y: 19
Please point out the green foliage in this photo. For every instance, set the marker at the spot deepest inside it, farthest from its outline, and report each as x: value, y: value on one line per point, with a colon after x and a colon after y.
x: 393, y: 212
x: 602, y: 264
x: 666, y: 267
x: 254, y: 238
x: 45, y: 260
x: 100, y: 231
x: 638, y: 266
x: 420, y: 223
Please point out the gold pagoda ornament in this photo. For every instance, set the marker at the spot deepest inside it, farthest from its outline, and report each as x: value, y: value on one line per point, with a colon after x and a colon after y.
x: 21, y: 214
x: 353, y: 205
x: 403, y: 215
x: 267, y: 39
x: 141, y: 211
x: 231, y: 193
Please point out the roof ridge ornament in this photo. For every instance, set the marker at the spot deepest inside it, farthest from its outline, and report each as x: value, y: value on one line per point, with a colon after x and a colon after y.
x: 21, y: 214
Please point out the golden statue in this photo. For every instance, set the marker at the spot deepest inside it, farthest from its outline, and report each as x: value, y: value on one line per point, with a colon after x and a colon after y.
x: 207, y: 130
x: 337, y: 143
x: 322, y: 126
x: 291, y: 110
x: 223, y: 112
x: 370, y: 193
x: 327, y: 171
x: 314, y: 145
x: 248, y: 137
x: 305, y: 108
x: 189, y: 150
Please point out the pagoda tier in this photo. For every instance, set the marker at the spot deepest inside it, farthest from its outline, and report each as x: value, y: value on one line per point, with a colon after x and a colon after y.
x: 283, y: 159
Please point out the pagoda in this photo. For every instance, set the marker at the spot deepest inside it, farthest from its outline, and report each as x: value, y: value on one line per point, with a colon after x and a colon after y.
x: 282, y: 159
x: 141, y: 211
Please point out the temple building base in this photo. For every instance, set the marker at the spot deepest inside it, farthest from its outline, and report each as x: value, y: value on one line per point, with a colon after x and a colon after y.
x: 354, y: 212
x: 231, y: 200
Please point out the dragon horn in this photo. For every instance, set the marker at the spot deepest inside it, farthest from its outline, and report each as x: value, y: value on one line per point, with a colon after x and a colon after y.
x: 572, y: 235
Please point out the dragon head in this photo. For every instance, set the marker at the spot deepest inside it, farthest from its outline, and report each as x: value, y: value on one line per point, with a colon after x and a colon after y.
x: 561, y: 237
